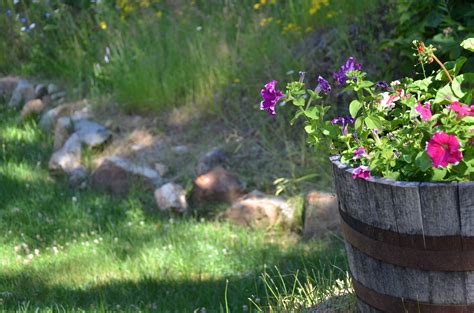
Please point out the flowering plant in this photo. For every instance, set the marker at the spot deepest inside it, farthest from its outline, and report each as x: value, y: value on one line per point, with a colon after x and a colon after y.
x: 415, y: 130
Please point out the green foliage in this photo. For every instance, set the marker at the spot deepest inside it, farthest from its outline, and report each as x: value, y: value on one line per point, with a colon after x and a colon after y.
x: 393, y: 129
x: 442, y: 23
x: 80, y: 250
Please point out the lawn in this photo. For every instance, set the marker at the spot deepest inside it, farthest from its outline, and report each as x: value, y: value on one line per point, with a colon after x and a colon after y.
x: 71, y: 250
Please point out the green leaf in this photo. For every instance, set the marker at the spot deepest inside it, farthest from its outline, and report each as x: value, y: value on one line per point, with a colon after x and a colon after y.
x: 438, y: 174
x: 309, y: 129
x: 423, y: 161
x: 468, y: 44
x: 453, y: 67
x: 358, y: 123
x: 366, y: 84
x: 354, y: 107
x: 455, y: 91
x: 312, y: 113
x: 373, y: 122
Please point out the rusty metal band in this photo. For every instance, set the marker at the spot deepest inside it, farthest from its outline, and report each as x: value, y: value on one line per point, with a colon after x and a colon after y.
x: 437, y: 243
x: 390, y: 304
x: 389, y: 252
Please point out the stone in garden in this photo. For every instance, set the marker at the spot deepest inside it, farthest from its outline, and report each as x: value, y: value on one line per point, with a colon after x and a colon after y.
x: 181, y: 149
x: 263, y: 211
x: 52, y: 88
x: 32, y: 107
x: 62, y: 131
x: 58, y: 95
x: 91, y: 133
x: 48, y: 119
x: 40, y: 91
x: 23, y: 92
x: 77, y: 177
x: 210, y: 160
x: 7, y: 85
x: 217, y: 185
x: 321, y: 215
x: 161, y: 169
x: 68, y: 158
x: 117, y: 175
x: 171, y: 197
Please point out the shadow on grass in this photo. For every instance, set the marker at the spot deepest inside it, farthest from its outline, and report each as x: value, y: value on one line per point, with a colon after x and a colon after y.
x: 166, y: 294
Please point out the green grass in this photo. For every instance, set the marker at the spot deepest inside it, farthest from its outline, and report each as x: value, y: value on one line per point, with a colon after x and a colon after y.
x: 68, y: 250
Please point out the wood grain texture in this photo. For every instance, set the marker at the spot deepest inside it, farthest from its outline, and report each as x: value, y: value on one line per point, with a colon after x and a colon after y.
x: 440, y: 209
x: 380, y: 204
x: 424, y: 286
x: 407, y: 207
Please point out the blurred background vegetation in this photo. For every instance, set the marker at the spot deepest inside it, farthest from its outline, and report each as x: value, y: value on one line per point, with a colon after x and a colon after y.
x: 206, y: 58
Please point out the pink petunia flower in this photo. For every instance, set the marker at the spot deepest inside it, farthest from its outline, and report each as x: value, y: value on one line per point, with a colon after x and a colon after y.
x: 361, y: 172
x: 388, y: 101
x: 443, y: 150
x: 425, y: 111
x: 461, y: 110
x: 360, y: 153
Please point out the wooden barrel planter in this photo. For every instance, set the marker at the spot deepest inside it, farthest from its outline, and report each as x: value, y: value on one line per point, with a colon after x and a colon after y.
x: 410, y: 245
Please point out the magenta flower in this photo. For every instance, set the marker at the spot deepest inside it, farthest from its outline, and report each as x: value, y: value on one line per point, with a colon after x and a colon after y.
x: 461, y: 110
x: 425, y: 111
x: 443, y: 149
x: 361, y: 172
x: 360, y: 153
x: 341, y: 76
x: 270, y: 97
x: 323, y: 86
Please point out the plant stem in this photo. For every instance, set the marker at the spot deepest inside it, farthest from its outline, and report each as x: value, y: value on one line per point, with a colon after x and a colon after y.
x: 444, y: 68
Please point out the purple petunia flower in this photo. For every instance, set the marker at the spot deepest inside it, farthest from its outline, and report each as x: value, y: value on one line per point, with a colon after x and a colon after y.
x: 360, y: 153
x: 382, y: 85
x: 343, y: 122
x: 341, y: 76
x: 361, y: 172
x: 270, y: 97
x: 323, y: 86
x: 301, y: 73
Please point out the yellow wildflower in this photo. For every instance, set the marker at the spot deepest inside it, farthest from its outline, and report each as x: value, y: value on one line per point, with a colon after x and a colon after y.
x: 263, y: 2
x: 273, y: 1
x: 308, y: 29
x: 145, y: 4
x: 330, y: 14
x: 236, y: 81
x: 256, y: 6
x: 103, y: 25
x: 159, y: 14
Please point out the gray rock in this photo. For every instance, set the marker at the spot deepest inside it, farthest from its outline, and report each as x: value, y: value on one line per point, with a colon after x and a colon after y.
x: 48, y: 120
x: 117, y: 175
x: 7, y: 85
x: 181, y: 149
x: 263, y: 211
x: 218, y: 185
x: 161, y: 169
x: 321, y: 215
x: 58, y: 95
x: 23, y: 92
x: 68, y: 158
x: 40, y: 91
x: 91, y: 133
x: 171, y: 197
x: 77, y: 177
x: 62, y: 131
x: 52, y: 88
x: 32, y: 107
x: 210, y: 160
